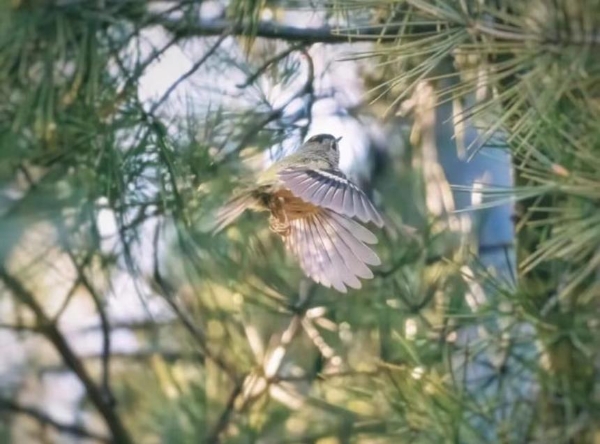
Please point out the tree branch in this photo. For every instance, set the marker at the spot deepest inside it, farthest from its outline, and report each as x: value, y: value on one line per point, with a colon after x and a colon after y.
x: 100, y: 308
x: 374, y: 33
x: 44, y: 419
x: 53, y: 334
x: 271, y: 30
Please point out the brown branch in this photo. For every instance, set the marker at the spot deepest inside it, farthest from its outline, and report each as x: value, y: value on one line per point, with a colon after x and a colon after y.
x: 223, y: 421
x: 106, y: 338
x: 98, y: 303
x: 46, y: 420
x: 143, y: 324
x: 270, y: 30
x: 372, y: 33
x: 53, y: 334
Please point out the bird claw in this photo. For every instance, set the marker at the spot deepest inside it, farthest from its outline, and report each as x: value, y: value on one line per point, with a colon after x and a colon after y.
x: 279, y: 225
x: 278, y: 221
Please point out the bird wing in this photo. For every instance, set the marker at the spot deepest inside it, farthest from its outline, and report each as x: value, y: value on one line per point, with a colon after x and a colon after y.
x: 329, y: 188
x: 231, y: 211
x: 331, y: 248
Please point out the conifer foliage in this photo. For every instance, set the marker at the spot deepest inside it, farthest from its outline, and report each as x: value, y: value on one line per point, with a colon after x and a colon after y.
x: 125, y: 124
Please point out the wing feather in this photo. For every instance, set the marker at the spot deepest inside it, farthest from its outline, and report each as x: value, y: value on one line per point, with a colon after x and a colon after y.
x: 373, y: 213
x: 310, y: 190
x: 328, y: 197
x: 337, y: 200
x: 327, y: 270
x: 313, y: 257
x: 348, y: 202
x: 359, y: 207
x: 329, y: 245
x: 360, y: 232
x: 309, y: 260
x: 320, y: 193
x: 331, y: 249
x: 353, y: 263
x: 302, y: 185
x: 352, y: 237
x: 346, y: 198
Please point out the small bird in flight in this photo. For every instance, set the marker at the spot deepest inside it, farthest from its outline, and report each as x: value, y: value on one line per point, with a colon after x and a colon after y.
x: 312, y: 205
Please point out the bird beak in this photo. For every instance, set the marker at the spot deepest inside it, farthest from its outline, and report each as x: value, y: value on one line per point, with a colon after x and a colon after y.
x: 338, y: 139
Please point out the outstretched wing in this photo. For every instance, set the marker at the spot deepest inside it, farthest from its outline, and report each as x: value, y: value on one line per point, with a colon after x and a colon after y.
x: 231, y: 211
x: 330, y: 189
x: 331, y: 248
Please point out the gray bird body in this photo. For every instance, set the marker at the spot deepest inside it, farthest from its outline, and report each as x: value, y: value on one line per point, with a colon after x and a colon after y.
x: 312, y: 206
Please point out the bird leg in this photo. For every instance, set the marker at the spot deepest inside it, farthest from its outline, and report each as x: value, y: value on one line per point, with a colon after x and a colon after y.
x: 278, y: 221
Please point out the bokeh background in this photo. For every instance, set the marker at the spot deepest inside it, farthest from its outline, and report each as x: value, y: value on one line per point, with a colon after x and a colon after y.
x: 473, y: 126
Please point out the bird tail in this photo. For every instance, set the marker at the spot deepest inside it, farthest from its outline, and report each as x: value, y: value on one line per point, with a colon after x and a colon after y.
x: 229, y: 212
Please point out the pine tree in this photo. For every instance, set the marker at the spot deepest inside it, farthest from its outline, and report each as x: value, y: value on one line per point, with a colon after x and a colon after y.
x: 473, y: 115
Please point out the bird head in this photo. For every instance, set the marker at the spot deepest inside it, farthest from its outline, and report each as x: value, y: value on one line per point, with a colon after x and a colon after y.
x: 323, y: 147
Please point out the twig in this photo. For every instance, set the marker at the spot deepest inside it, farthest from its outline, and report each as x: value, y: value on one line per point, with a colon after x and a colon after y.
x: 136, y: 356
x: 104, y: 322
x: 221, y: 425
x: 274, y: 114
x: 328, y: 375
x: 106, y: 340
x: 310, y: 91
x: 188, y: 73
x: 143, y: 324
x: 195, y: 331
x: 252, y: 78
x: 305, y: 294
x: 43, y: 418
x: 132, y: 78
x: 53, y: 334
x: 67, y: 300
x: 406, y: 260
x: 269, y: 366
x: 19, y: 327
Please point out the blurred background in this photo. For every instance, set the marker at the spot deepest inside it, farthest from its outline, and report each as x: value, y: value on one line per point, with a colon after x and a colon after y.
x: 472, y: 125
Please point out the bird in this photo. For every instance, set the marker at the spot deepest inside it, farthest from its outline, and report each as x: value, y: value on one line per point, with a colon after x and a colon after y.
x: 313, y: 207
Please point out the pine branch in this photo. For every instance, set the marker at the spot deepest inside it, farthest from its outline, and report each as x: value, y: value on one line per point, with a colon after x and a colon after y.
x: 271, y: 30
x: 375, y: 33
